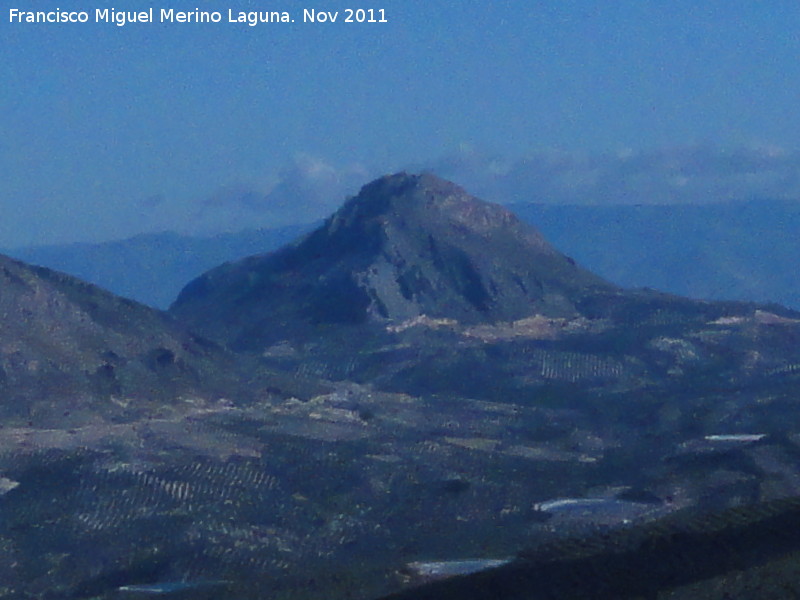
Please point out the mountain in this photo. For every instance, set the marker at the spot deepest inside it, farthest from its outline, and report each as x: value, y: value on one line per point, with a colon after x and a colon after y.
x: 72, y: 352
x: 405, y: 247
x: 433, y: 291
x: 152, y: 268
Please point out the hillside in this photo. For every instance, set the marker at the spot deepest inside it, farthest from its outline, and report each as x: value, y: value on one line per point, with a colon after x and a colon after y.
x: 71, y: 352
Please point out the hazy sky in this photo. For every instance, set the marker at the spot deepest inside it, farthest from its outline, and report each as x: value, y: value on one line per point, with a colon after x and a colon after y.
x: 106, y: 131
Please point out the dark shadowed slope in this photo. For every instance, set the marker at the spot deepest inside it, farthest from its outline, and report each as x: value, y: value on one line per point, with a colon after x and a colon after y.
x: 405, y: 246
x: 745, y: 552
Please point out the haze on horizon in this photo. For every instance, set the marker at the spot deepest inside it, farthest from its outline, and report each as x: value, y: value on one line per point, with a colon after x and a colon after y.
x: 110, y: 131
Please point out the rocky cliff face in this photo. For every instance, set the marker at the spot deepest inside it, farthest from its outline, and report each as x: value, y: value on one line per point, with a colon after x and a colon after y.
x: 406, y: 246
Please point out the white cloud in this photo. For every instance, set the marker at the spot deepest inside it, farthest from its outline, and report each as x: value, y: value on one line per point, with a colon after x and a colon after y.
x: 307, y: 189
x: 691, y: 174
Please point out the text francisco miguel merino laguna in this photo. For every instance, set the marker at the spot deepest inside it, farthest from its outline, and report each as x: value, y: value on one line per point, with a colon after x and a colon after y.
x: 169, y: 15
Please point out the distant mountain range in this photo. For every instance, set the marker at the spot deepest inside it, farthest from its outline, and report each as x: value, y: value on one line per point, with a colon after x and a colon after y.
x: 720, y: 251
x: 151, y: 268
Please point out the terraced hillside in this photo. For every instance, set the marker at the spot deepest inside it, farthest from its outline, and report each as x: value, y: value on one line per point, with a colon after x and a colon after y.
x: 335, y: 496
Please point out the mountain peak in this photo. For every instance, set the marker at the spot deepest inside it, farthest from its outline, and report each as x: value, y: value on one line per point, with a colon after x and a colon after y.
x: 402, y: 196
x: 405, y: 246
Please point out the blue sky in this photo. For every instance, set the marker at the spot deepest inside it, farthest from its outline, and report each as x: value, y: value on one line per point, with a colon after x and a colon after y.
x: 108, y: 131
